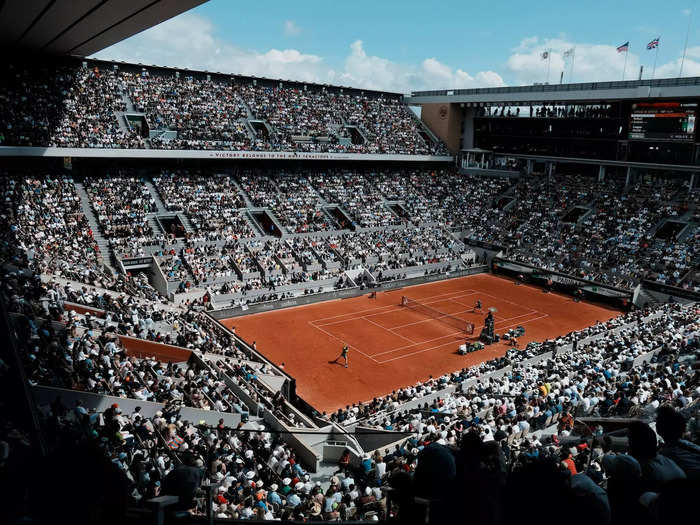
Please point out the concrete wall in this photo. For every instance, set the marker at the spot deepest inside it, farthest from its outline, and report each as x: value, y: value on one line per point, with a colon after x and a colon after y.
x: 226, y: 313
x: 445, y: 120
x: 164, y: 353
x: 44, y: 395
x: 308, y: 457
x: 376, y: 439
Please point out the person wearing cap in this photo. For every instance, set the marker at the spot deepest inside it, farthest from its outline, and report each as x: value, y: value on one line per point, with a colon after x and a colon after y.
x: 293, y: 499
x: 285, y: 486
x: 366, y: 464
x: 273, y: 496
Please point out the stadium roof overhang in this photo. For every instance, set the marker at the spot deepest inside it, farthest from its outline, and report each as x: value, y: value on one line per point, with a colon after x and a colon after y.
x: 80, y: 27
x: 589, y: 92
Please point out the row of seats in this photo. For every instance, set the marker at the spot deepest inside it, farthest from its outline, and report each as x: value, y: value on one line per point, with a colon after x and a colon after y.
x: 82, y: 105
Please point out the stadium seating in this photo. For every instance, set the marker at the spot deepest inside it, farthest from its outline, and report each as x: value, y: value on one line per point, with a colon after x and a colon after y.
x: 88, y: 105
x: 382, y: 219
x: 109, y: 274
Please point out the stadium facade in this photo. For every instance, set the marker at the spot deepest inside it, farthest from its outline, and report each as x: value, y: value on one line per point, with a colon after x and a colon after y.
x: 631, y: 125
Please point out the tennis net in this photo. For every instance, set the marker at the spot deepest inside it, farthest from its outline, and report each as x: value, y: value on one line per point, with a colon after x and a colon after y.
x: 448, y: 319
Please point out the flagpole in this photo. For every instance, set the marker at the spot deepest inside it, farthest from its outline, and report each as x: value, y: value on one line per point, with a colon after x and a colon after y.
x: 685, y: 46
x: 571, y: 75
x: 656, y: 55
x: 549, y: 61
x: 624, y: 68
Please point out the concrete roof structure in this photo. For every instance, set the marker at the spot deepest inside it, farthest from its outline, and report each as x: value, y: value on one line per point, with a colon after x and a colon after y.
x: 80, y: 27
x: 586, y: 92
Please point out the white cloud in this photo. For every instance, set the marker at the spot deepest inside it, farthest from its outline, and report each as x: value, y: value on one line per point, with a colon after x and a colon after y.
x: 591, y: 62
x: 189, y: 41
x: 291, y: 28
x: 373, y: 72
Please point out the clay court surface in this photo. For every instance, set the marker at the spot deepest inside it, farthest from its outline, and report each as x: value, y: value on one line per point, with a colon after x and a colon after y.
x: 393, y: 346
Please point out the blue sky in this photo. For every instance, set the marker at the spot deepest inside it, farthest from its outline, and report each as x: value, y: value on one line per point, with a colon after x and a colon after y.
x: 416, y: 45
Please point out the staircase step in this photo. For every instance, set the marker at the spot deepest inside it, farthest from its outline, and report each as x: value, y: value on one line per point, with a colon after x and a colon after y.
x: 242, y: 193
x: 160, y: 205
x: 100, y: 240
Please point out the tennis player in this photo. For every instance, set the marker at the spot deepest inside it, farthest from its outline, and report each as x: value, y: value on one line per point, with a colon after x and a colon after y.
x: 477, y: 306
x: 344, y: 355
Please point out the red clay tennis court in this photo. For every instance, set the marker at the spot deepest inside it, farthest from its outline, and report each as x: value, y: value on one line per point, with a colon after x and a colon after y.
x: 392, y: 346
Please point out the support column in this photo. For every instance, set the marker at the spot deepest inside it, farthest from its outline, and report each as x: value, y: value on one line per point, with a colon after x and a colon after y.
x: 629, y: 174
x: 601, y: 173
x: 692, y: 182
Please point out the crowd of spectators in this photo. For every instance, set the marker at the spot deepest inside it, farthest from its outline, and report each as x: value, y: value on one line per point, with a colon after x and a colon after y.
x: 212, y: 203
x: 291, y: 196
x: 596, y: 230
x: 206, y: 114
x: 521, y: 407
x: 588, y: 111
x: 63, y: 106
x: 45, y: 217
x: 83, y: 105
x: 357, y: 196
x: 614, y: 241
x: 121, y: 204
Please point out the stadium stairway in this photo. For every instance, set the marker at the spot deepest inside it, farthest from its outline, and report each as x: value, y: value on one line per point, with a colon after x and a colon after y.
x: 185, y: 220
x: 127, y: 103
x: 424, y: 129
x: 242, y: 193
x: 153, y: 223
x: 105, y: 250
x: 160, y: 205
x: 161, y: 209
x: 642, y: 297
x: 121, y: 121
x: 687, y: 232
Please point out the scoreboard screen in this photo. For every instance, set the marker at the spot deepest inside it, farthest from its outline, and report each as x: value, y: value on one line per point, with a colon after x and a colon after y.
x: 663, y: 121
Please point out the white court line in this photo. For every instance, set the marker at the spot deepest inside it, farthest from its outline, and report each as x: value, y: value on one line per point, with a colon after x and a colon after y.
x: 524, y: 322
x: 433, y: 319
x: 388, y: 330
x: 449, y: 335
x: 382, y: 313
x: 387, y: 306
x: 507, y: 301
x: 414, y: 344
x: 414, y: 353
x: 352, y: 313
x: 515, y: 317
x: 344, y: 342
x: 439, y: 346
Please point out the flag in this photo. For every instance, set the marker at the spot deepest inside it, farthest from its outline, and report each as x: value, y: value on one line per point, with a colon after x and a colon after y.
x: 624, y: 47
x: 545, y: 55
x: 569, y: 52
x: 653, y: 44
